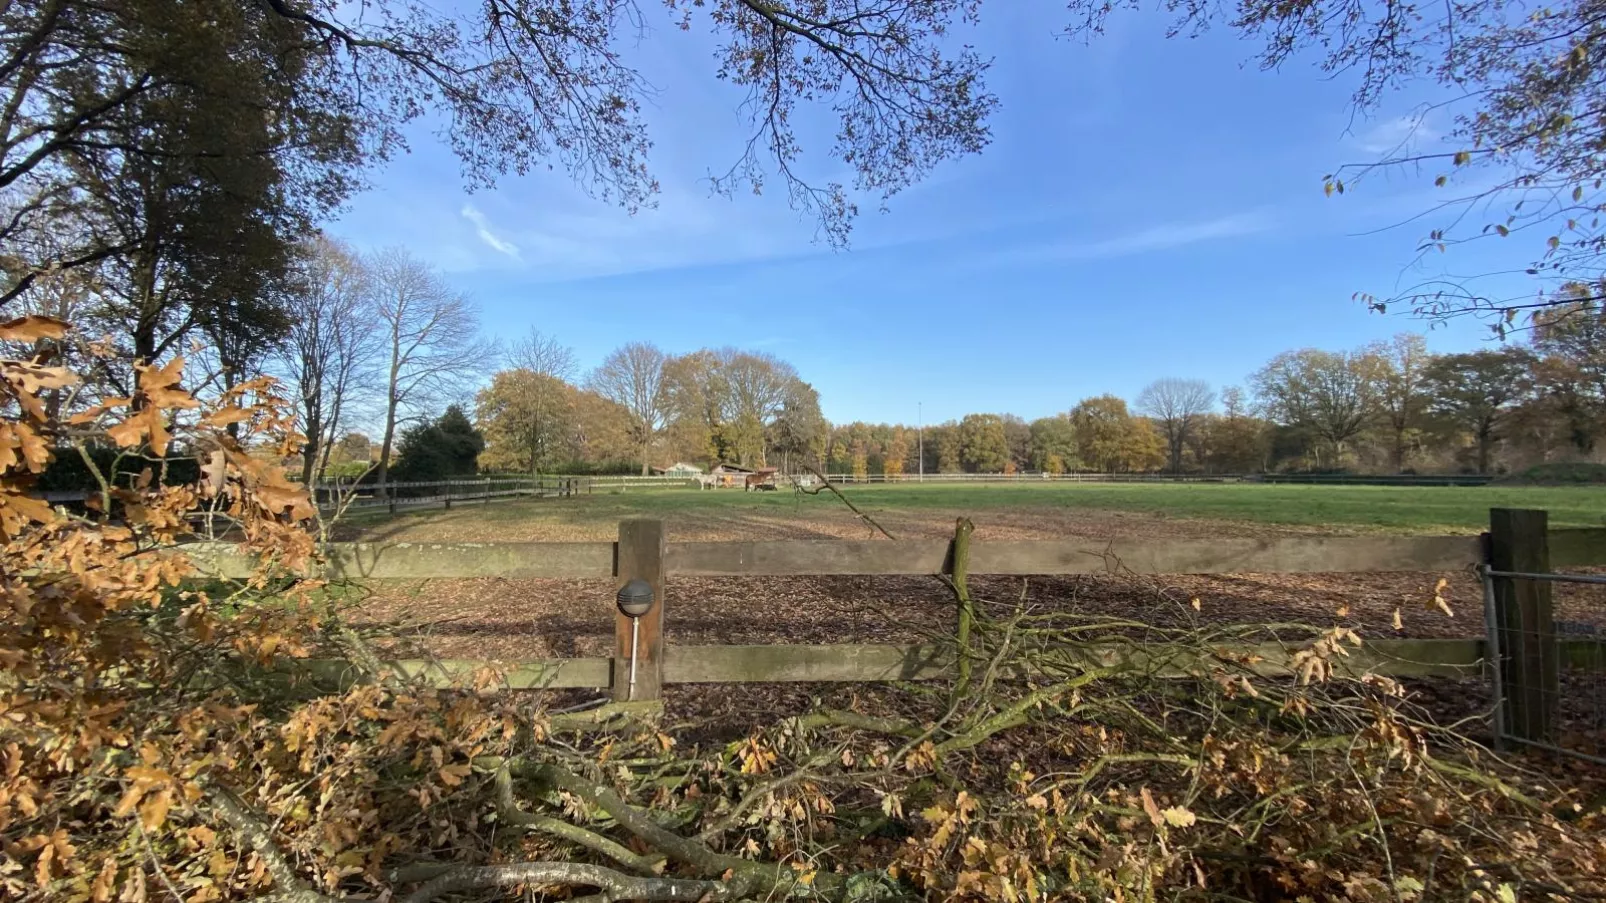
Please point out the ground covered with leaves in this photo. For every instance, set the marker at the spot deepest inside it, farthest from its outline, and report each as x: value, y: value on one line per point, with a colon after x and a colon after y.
x: 524, y: 619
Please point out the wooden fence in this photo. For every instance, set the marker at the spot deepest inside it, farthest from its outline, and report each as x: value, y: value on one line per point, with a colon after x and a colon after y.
x: 641, y: 552
x: 1037, y: 477
x: 393, y: 496
x: 1077, y: 477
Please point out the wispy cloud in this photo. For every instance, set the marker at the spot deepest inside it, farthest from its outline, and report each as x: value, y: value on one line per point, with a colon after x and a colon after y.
x: 482, y: 227
x: 1396, y: 135
x: 1176, y: 235
x: 1162, y: 237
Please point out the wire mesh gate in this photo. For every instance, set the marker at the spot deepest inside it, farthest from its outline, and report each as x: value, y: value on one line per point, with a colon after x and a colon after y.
x: 1548, y: 673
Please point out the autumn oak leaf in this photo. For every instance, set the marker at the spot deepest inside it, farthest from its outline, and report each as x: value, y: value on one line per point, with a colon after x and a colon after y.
x: 33, y: 328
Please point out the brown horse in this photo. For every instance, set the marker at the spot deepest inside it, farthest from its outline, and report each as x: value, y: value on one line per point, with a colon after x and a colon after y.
x: 761, y: 480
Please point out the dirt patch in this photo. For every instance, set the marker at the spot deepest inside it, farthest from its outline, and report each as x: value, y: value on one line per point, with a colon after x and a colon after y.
x: 523, y: 619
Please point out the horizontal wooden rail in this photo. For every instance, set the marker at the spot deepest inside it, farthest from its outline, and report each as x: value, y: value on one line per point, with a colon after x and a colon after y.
x: 870, y: 663
x: 1299, y: 554
x: 423, y: 560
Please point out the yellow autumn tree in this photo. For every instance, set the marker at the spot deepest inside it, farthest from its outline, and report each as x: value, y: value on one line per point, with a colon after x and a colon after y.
x: 526, y: 418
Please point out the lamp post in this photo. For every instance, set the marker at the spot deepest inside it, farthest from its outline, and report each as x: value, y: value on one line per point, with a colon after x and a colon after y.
x: 920, y: 435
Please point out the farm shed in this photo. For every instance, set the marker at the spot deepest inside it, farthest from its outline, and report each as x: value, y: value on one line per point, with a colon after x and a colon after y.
x: 679, y: 469
x: 726, y: 475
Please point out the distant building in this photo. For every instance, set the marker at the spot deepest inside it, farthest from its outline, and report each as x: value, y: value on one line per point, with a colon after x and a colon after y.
x: 679, y: 469
x: 726, y: 475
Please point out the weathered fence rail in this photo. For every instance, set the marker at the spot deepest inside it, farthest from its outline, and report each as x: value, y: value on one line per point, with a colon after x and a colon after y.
x: 1299, y: 554
x: 641, y: 553
x: 394, y: 496
x: 871, y: 662
x: 1039, y: 477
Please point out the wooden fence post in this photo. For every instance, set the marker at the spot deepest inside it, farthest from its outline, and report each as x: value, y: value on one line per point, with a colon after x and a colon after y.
x: 641, y: 554
x: 1524, y: 616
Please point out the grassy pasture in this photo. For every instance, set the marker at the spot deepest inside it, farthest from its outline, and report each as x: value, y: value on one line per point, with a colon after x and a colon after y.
x: 1018, y: 510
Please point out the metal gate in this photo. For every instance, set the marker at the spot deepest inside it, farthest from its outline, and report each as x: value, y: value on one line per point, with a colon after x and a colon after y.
x: 1548, y: 673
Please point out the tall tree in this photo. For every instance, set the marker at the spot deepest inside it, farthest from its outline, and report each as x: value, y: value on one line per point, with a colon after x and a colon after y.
x: 1176, y: 406
x: 601, y: 435
x: 1332, y: 394
x: 1053, y: 444
x: 942, y: 448
x: 756, y: 387
x: 895, y: 456
x: 1240, y: 440
x: 1401, y: 395
x: 327, y: 357
x: 1478, y: 391
x: 527, y: 418
x: 1019, y: 436
x: 1571, y: 337
x: 983, y: 444
x: 633, y: 376
x: 543, y: 399
x: 164, y: 139
x: 1109, y: 438
x: 544, y: 355
x: 798, y: 431
x: 694, y: 389
x: 726, y: 402
x: 441, y: 449
x: 429, y: 336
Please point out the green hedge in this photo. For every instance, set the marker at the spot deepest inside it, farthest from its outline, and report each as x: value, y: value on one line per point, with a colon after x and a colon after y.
x: 68, y: 472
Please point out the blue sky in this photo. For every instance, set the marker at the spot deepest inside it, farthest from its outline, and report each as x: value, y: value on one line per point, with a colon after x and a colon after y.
x: 1147, y: 208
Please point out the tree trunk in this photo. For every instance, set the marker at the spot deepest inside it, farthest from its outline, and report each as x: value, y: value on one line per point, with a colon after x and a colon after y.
x: 310, y: 451
x: 1399, y: 449
x: 328, y: 429
x: 1485, y: 439
x: 390, y: 411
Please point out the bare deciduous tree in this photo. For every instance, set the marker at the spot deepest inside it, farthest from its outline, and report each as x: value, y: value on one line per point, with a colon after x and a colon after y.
x: 756, y: 387
x: 1176, y: 405
x: 1402, y: 388
x: 1333, y: 394
x: 543, y: 355
x: 331, y: 347
x: 1479, y: 391
x: 633, y: 376
x: 430, y: 340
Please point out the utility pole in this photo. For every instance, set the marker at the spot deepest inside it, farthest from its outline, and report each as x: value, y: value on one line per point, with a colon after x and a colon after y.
x: 920, y: 435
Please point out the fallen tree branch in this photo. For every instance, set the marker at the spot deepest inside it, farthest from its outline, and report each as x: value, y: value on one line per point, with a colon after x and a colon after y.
x: 1015, y: 714
x: 510, y: 814
x: 615, y: 885
x: 604, y: 716
x: 747, y: 878
x: 856, y: 721
x: 291, y: 889
x: 825, y: 484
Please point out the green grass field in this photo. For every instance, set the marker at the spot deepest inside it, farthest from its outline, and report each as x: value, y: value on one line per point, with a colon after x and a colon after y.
x: 1416, y: 509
